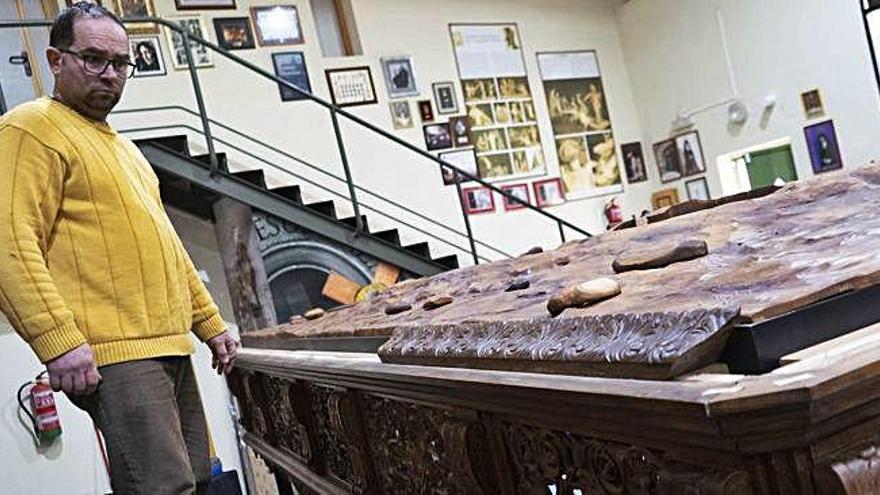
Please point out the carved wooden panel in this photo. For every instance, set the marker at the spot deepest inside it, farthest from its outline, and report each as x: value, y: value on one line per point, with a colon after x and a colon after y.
x: 253, y: 412
x: 573, y: 463
x: 288, y: 413
x: 645, y: 345
x: 417, y: 449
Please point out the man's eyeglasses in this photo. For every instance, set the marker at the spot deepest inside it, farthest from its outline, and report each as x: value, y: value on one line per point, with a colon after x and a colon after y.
x: 97, y: 65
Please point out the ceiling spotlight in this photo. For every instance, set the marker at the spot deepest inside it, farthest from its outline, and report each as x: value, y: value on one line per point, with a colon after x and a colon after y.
x: 737, y: 113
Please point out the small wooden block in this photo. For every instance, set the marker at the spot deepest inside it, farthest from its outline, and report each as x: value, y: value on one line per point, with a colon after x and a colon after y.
x: 314, y: 314
x: 583, y: 294
x: 437, y: 302
x: 397, y: 308
x: 340, y: 289
x: 386, y: 274
x: 660, y: 256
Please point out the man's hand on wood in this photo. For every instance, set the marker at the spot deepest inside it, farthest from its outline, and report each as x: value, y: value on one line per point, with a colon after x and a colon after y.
x: 224, y: 348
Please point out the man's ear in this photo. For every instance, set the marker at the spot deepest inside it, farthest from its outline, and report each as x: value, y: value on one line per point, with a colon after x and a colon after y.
x: 53, y: 56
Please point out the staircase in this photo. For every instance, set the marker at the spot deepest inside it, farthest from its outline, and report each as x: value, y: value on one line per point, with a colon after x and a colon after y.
x: 187, y: 182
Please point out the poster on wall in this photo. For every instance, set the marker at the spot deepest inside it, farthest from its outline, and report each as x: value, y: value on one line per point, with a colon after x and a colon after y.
x: 581, y: 124
x: 498, y: 102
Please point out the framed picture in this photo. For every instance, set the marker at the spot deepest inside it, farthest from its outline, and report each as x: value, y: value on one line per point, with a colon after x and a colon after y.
x: 478, y: 200
x: 438, y: 136
x: 99, y: 2
x: 690, y: 153
x: 399, y: 76
x: 291, y: 66
x: 204, y: 4
x: 521, y: 191
x: 666, y: 154
x: 664, y: 198
x: 461, y: 131
x: 634, y: 162
x: 698, y: 189
x: 351, y: 86
x: 813, y: 105
x: 401, y: 114
x: 136, y: 8
x: 824, y: 150
x: 277, y: 25
x: 465, y: 160
x: 234, y: 33
x: 147, y: 56
x: 548, y: 192
x: 444, y: 97
x: 426, y: 112
x: 201, y: 54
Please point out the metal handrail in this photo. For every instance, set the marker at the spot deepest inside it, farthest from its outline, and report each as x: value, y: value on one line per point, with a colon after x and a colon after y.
x: 322, y: 187
x: 298, y: 160
x: 334, y: 111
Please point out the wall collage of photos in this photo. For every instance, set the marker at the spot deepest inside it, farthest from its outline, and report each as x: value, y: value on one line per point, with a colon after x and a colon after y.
x: 581, y: 124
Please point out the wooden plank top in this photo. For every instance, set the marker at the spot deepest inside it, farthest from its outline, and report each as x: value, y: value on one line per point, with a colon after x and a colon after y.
x: 766, y: 257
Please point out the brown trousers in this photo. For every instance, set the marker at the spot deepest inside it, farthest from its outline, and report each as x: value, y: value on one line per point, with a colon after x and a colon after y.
x: 154, y: 426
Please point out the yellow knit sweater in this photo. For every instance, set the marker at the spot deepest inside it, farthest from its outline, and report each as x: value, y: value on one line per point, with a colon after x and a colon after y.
x: 87, y: 253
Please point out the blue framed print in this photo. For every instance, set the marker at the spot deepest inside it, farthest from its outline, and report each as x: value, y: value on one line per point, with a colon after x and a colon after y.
x: 823, y: 147
x: 291, y: 66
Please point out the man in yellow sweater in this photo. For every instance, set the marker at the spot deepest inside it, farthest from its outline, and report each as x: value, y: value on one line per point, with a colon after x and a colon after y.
x: 92, y: 274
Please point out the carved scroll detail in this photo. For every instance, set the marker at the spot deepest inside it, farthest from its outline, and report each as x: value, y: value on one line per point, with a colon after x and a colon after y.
x: 589, y: 345
x: 288, y: 422
x: 859, y: 475
x: 417, y: 449
x: 540, y: 458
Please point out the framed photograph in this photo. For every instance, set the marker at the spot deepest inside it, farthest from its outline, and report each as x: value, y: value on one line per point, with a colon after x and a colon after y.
x: 664, y: 198
x: 147, y: 56
x: 444, y: 97
x: 204, y: 4
x: 438, y: 136
x: 634, y: 162
x: 401, y: 114
x: 478, y: 200
x: 291, y: 66
x: 234, y: 33
x: 351, y: 86
x: 465, y: 160
x: 521, y: 191
x: 548, y: 192
x: 135, y: 8
x: 824, y: 150
x: 399, y: 76
x: 202, y: 56
x: 690, y: 153
x: 813, y: 105
x: 666, y: 155
x: 461, y: 131
x: 698, y: 189
x: 277, y: 25
x: 426, y: 111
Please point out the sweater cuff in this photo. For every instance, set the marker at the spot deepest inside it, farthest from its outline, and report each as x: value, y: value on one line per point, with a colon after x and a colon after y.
x: 60, y: 340
x: 210, y: 328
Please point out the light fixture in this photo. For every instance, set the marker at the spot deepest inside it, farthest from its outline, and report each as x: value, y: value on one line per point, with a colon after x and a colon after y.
x: 737, y: 113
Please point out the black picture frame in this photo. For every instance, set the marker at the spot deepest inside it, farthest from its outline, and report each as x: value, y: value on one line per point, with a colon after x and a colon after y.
x: 437, y: 136
x: 291, y: 66
x: 204, y: 4
x: 634, y: 162
x: 364, y: 94
x: 234, y: 33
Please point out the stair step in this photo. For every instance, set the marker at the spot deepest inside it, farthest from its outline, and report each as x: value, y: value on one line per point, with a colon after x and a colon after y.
x: 222, y: 161
x: 420, y: 249
x: 450, y: 261
x: 392, y: 236
x: 293, y: 193
x: 326, y: 208
x: 351, y: 221
x: 255, y: 177
x: 179, y: 144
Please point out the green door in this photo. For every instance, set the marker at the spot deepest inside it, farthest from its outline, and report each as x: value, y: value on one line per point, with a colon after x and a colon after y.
x: 766, y: 166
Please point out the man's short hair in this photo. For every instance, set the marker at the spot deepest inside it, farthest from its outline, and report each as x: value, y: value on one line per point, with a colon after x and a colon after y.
x: 61, y: 36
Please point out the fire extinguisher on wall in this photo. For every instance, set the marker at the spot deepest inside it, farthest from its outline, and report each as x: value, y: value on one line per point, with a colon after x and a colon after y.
x: 42, y: 411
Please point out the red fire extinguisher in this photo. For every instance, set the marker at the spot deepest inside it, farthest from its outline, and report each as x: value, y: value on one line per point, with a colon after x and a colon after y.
x: 42, y: 412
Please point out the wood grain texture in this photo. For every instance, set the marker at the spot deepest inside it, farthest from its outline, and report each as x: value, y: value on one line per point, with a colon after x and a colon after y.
x: 767, y: 256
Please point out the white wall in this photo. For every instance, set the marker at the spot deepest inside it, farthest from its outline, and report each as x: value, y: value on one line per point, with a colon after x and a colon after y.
x: 75, y: 457
x: 781, y: 48
x: 419, y: 29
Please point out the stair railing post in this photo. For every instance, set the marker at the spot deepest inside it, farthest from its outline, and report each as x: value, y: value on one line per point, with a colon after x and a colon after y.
x: 358, y: 221
x: 200, y: 101
x: 467, y: 219
x: 561, y: 230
